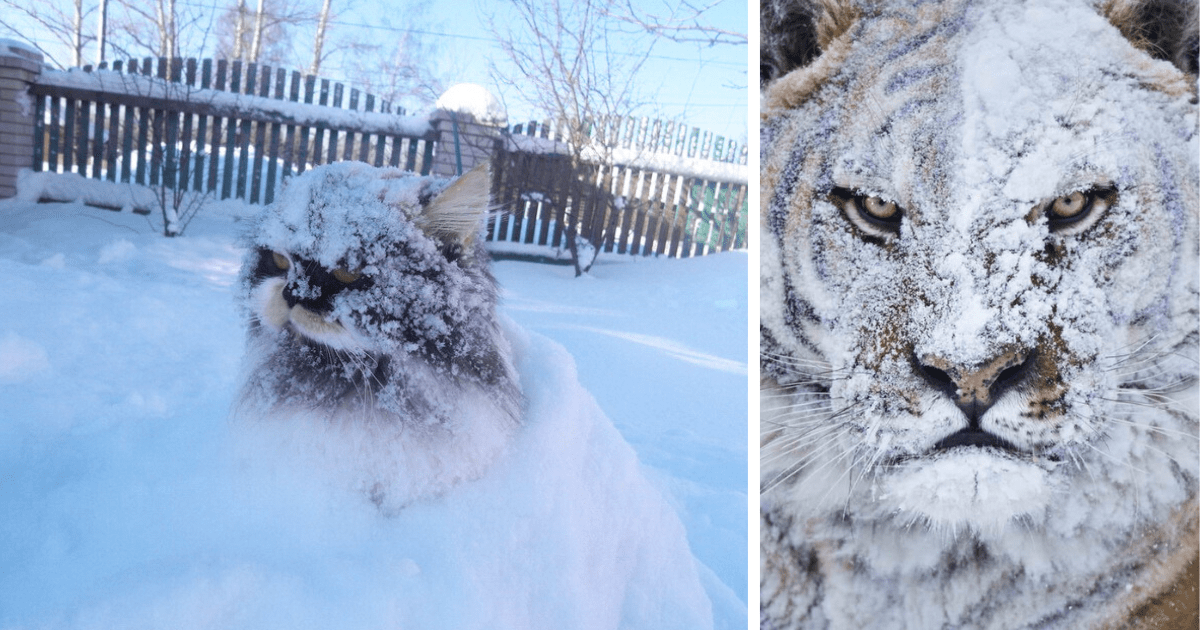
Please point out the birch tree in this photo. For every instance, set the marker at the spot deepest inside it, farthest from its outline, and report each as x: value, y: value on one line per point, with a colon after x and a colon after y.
x: 63, y: 22
x: 102, y: 32
x: 160, y: 28
x: 263, y: 34
x: 314, y: 68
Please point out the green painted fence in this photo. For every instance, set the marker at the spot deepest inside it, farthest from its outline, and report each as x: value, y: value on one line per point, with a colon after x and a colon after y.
x: 226, y: 128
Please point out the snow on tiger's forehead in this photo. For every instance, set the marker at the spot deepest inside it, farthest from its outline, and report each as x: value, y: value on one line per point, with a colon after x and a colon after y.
x: 971, y: 112
x: 1055, y: 99
x: 345, y: 212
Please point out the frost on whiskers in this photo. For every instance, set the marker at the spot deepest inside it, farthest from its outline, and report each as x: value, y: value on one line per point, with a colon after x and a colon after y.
x: 407, y: 348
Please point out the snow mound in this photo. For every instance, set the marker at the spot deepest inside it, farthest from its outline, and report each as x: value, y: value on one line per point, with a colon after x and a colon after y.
x: 128, y: 499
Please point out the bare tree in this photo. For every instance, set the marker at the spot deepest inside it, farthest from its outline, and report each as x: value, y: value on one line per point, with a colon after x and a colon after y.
x: 65, y: 26
x: 322, y: 22
x: 262, y: 35
x: 167, y: 33
x: 239, y: 31
x: 685, y: 22
x: 399, y: 67
x: 259, y: 20
x: 78, y: 43
x: 396, y: 72
x: 101, y: 32
x: 574, y: 61
x: 161, y: 28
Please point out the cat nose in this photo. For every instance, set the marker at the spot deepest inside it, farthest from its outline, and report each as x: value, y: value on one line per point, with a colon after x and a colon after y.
x: 288, y: 297
x: 313, y: 292
x: 975, y: 388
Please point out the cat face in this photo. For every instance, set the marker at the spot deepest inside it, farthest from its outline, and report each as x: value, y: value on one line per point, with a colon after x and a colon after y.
x: 302, y: 299
x: 358, y: 280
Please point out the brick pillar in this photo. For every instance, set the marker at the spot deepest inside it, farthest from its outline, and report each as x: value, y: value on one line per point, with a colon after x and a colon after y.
x: 478, y: 141
x: 19, y: 67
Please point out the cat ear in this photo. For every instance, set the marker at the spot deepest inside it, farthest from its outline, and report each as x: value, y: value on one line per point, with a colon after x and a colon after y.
x: 454, y: 215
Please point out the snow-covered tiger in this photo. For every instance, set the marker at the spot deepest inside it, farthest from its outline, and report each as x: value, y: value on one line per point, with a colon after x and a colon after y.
x: 979, y: 314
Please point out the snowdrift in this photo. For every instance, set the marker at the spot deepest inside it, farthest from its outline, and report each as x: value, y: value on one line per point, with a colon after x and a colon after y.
x: 129, y: 499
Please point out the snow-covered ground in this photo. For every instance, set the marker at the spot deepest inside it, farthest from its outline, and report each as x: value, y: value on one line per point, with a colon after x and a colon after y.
x: 128, y: 499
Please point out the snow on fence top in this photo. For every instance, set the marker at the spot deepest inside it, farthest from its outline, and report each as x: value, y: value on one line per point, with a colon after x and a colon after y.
x: 230, y: 129
x: 22, y: 49
x: 656, y: 145
x: 637, y: 158
x: 156, y: 92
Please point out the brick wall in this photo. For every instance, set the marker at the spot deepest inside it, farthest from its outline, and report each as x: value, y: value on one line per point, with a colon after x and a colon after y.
x: 19, y: 67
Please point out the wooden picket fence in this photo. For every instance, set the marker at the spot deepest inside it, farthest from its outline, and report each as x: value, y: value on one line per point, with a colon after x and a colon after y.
x: 646, y: 136
x: 640, y: 203
x: 227, y: 129
x: 186, y: 132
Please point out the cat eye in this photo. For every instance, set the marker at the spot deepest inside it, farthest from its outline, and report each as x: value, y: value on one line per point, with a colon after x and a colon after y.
x: 875, y: 216
x: 345, y: 276
x: 1075, y: 212
x: 281, y: 261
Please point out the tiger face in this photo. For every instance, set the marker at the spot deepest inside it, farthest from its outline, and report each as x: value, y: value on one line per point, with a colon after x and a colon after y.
x: 979, y: 272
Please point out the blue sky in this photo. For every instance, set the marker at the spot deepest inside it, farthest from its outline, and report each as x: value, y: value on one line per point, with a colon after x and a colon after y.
x: 705, y: 86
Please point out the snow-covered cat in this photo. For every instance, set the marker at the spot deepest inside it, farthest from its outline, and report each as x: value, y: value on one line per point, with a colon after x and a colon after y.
x: 979, y: 314
x: 372, y: 313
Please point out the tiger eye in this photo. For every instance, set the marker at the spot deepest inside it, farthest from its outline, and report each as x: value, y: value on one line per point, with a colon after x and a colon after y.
x: 345, y: 276
x: 281, y: 261
x: 1075, y: 212
x: 1069, y: 206
x: 875, y: 217
x: 879, y: 208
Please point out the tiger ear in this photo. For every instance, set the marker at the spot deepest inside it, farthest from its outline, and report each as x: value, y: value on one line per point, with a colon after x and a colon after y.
x: 796, y: 32
x: 1165, y: 29
x: 454, y: 216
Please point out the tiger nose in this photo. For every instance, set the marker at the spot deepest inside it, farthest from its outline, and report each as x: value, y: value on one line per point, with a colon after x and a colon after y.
x: 975, y: 388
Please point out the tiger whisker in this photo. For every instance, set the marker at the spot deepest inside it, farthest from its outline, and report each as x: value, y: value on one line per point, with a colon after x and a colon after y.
x: 792, y: 444
x: 1164, y: 405
x: 1113, y: 458
x: 791, y: 395
x: 807, y: 407
x: 832, y: 416
x: 785, y: 475
x: 1150, y: 428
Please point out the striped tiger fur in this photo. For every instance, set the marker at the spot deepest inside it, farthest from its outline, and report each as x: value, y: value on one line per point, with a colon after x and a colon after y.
x: 979, y: 326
